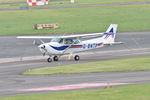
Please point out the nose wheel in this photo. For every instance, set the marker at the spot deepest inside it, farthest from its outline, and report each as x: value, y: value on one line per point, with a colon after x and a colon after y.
x: 49, y: 59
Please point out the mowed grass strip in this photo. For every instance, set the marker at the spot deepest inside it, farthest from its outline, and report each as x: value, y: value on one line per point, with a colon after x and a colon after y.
x: 131, y: 64
x: 82, y: 2
x: 130, y: 92
x: 76, y: 20
x: 67, y: 2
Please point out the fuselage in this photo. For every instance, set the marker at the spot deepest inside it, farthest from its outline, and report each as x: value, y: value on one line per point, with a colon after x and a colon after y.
x: 68, y: 45
x: 62, y: 47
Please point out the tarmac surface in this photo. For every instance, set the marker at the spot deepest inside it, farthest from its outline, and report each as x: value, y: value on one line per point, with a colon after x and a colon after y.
x: 19, y: 55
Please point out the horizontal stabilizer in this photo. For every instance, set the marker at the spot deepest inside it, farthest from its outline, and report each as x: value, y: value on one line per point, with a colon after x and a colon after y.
x: 114, y: 43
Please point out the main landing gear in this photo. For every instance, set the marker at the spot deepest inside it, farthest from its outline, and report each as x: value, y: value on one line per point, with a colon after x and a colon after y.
x: 76, y: 58
x: 56, y: 58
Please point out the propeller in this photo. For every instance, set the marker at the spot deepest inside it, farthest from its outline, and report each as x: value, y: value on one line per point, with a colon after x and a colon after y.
x: 42, y: 41
x: 41, y: 46
x: 35, y: 43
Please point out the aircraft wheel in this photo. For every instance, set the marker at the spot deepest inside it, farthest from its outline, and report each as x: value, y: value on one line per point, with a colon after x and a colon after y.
x: 49, y: 60
x: 76, y: 58
x: 55, y: 58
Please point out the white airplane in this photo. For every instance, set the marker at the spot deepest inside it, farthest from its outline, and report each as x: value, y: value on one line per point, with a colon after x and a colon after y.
x: 62, y: 45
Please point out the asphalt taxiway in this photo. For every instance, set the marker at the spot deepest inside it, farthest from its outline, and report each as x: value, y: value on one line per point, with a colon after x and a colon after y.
x: 18, y: 55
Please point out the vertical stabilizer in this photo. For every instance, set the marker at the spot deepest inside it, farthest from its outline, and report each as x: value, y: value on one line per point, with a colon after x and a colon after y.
x: 110, y: 34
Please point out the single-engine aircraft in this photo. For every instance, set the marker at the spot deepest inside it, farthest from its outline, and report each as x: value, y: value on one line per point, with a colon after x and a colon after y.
x: 62, y: 45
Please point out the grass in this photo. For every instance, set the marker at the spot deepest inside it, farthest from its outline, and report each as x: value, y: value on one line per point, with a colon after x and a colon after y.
x: 77, y: 1
x: 76, y: 20
x: 130, y: 92
x: 8, y: 1
x: 10, y: 4
x: 131, y: 64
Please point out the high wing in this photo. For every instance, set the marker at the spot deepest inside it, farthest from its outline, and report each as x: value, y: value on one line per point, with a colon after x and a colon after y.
x: 35, y: 37
x: 68, y: 36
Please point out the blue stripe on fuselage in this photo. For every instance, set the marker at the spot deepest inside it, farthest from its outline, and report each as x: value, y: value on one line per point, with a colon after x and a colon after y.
x: 59, y: 48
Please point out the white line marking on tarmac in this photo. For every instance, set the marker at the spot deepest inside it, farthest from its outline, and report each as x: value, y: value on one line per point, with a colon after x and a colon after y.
x: 15, y: 59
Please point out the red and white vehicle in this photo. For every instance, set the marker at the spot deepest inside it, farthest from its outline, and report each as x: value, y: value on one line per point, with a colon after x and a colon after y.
x: 37, y: 2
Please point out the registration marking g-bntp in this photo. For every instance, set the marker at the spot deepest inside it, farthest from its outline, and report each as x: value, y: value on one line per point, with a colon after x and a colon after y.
x: 88, y: 46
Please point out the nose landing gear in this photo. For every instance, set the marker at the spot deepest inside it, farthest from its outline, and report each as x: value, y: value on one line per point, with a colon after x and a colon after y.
x: 49, y: 59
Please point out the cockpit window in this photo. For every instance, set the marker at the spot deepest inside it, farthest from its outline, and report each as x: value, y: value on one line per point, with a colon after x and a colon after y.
x: 68, y: 41
x: 75, y: 41
x: 71, y: 41
x: 58, y: 40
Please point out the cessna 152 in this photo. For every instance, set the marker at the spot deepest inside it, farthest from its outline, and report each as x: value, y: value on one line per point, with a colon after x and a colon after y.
x: 61, y: 45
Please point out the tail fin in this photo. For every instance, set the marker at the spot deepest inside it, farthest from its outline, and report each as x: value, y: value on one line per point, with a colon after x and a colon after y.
x: 110, y: 34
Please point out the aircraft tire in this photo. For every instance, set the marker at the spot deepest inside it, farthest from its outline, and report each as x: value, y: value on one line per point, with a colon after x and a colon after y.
x: 49, y: 60
x: 76, y: 58
x: 55, y: 58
